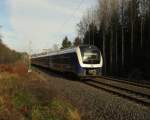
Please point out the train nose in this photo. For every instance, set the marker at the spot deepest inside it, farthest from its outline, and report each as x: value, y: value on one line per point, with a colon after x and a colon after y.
x: 90, y: 72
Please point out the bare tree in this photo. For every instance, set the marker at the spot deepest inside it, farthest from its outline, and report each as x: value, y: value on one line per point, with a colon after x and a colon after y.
x: 122, y: 31
x: 84, y: 24
x: 143, y: 10
x: 104, y: 18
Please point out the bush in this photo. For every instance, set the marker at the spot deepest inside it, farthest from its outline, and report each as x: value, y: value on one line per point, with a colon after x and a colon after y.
x: 22, y: 101
x: 63, y: 109
x: 16, y: 68
x: 29, y: 98
x: 8, y: 55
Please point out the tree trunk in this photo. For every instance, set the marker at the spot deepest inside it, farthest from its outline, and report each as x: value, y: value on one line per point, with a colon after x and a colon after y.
x: 89, y: 41
x: 104, y: 53
x: 141, y: 33
x: 122, y: 47
x: 116, y: 52
x: 132, y: 39
x: 93, y: 36
x: 122, y: 32
x: 111, y: 51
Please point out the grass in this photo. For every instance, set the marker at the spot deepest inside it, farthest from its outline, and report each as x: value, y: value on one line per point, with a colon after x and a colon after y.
x: 27, y: 96
x: 63, y: 109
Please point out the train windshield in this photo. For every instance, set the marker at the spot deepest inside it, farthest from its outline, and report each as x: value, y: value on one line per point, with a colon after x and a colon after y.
x: 90, y: 55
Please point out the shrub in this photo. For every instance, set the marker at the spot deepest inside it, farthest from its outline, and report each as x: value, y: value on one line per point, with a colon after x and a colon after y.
x: 8, y: 55
x: 1, y: 103
x: 29, y: 97
x: 18, y: 68
x: 22, y: 101
x: 40, y: 112
x: 64, y: 110
x: 9, y: 83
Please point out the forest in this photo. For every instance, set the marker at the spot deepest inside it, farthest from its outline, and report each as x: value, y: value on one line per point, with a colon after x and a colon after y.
x: 121, y: 30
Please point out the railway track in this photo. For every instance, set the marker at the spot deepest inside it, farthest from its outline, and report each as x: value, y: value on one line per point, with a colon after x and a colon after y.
x: 135, y: 92
x: 145, y: 84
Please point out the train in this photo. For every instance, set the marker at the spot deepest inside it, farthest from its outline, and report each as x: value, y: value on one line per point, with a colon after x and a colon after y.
x: 83, y: 61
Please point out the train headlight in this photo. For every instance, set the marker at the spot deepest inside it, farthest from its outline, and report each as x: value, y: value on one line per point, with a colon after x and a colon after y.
x: 92, y: 72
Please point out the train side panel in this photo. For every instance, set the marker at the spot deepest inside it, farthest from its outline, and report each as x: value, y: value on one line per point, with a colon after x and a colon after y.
x: 41, y: 61
x: 64, y: 62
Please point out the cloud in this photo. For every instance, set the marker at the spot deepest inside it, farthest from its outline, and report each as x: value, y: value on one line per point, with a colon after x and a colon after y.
x: 44, y: 22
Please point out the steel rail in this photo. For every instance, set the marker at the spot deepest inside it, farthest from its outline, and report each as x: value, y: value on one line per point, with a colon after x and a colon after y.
x: 126, y: 81
x: 120, y: 91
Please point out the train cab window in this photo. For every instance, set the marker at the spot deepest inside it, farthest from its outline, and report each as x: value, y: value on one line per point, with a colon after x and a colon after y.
x: 90, y: 54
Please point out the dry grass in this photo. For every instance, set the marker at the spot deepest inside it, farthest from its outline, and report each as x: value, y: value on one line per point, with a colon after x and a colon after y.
x: 27, y: 96
x: 16, y: 68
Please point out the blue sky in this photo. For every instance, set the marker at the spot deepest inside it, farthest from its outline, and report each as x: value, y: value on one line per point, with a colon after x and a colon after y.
x: 43, y: 22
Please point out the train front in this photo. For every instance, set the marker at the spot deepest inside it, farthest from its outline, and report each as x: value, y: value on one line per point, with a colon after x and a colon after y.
x: 90, y: 60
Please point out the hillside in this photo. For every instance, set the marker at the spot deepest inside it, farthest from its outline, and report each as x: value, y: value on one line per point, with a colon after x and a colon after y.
x: 7, y: 55
x: 27, y: 96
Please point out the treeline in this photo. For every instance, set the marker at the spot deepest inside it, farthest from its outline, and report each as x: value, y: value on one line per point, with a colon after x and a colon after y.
x: 66, y: 43
x: 121, y: 29
x: 7, y: 55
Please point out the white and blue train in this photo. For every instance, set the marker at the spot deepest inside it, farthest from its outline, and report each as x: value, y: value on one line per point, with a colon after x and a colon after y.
x: 83, y: 61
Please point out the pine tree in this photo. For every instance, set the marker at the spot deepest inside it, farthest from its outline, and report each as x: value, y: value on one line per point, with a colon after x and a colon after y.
x: 66, y: 43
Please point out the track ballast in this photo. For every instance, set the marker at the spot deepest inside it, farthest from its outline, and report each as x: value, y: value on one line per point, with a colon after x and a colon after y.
x: 135, y: 92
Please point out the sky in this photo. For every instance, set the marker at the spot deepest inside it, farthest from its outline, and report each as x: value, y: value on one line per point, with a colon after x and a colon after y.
x: 40, y: 23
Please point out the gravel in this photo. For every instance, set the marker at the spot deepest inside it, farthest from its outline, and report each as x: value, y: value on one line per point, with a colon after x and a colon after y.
x: 96, y: 104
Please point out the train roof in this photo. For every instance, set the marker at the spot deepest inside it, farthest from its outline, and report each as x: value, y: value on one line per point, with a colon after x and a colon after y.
x: 63, y: 51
